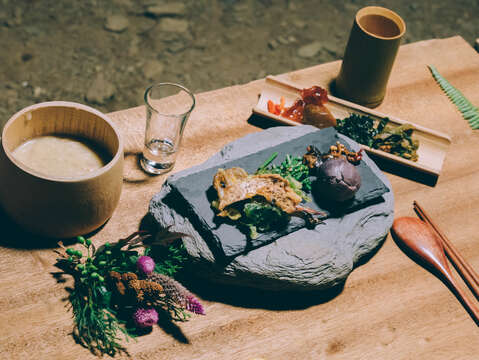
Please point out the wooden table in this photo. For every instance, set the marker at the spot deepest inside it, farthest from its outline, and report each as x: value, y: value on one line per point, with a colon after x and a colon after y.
x: 390, y: 308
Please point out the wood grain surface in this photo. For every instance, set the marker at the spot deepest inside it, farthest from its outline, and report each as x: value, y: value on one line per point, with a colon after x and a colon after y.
x: 390, y: 308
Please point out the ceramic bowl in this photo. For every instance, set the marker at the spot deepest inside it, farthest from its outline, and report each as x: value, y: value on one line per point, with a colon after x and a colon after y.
x: 60, y: 207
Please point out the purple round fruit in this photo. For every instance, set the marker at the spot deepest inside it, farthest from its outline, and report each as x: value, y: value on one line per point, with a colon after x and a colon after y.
x: 338, y: 180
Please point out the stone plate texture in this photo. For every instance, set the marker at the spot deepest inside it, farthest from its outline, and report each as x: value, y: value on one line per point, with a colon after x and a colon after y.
x: 304, y: 260
x: 192, y: 194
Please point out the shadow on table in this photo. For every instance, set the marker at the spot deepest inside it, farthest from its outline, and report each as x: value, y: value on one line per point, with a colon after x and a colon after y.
x: 262, y: 122
x: 262, y: 299
x: 13, y: 236
x: 404, y: 171
x: 270, y: 300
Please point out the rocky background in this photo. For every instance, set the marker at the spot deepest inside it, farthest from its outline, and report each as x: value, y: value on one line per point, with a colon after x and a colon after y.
x: 105, y: 53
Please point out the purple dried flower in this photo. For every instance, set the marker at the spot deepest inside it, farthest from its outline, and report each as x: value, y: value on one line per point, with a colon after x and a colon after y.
x: 178, y: 293
x: 194, y: 305
x: 145, y: 265
x: 145, y: 318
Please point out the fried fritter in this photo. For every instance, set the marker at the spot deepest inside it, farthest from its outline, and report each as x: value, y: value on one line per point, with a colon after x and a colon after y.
x: 235, y: 185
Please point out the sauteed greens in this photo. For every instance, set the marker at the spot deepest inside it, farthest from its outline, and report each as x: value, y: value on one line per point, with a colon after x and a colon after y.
x: 258, y: 216
x: 396, y: 140
x: 293, y: 170
x: 361, y: 128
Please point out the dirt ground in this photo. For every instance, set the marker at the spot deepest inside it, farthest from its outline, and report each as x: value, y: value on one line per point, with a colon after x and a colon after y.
x: 105, y: 53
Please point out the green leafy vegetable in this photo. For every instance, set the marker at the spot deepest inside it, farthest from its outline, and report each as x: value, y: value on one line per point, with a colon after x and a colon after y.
x: 361, y: 128
x: 469, y: 111
x: 293, y: 170
x: 260, y: 216
x: 396, y: 140
x: 263, y: 216
x: 256, y: 215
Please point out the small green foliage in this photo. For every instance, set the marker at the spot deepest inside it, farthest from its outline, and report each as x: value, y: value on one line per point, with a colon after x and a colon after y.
x: 170, y: 259
x: 469, y: 111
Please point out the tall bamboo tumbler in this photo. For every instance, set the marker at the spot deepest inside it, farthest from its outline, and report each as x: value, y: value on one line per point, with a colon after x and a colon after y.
x: 369, y: 56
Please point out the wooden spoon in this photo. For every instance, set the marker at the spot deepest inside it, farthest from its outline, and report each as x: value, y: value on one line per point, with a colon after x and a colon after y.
x: 419, y: 239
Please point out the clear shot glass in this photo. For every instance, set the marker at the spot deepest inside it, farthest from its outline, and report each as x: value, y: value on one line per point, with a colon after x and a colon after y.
x: 168, y: 107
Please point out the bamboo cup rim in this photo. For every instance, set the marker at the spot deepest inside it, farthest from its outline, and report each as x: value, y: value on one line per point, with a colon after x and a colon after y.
x: 381, y: 11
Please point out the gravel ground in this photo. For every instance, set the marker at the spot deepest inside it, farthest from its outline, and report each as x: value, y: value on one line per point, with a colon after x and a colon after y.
x: 105, y: 53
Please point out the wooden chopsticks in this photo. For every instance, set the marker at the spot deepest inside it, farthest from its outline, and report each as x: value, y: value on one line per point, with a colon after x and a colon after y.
x: 467, y: 273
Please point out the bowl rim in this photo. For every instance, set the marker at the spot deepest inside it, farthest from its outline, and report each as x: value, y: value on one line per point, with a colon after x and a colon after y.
x: 385, y: 12
x: 68, y: 104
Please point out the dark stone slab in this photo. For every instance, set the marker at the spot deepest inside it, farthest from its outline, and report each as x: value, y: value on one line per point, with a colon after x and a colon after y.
x: 304, y: 260
x: 192, y: 195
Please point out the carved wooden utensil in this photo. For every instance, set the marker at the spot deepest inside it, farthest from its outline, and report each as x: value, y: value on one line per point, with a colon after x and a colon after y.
x: 416, y: 237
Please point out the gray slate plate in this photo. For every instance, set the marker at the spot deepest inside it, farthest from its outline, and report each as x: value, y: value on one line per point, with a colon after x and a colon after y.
x: 304, y: 260
x: 191, y: 196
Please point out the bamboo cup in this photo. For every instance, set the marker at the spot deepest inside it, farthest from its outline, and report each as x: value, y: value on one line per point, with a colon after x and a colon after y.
x: 57, y: 207
x: 369, y: 56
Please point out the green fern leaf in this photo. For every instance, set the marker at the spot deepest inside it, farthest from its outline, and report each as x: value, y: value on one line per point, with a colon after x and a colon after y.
x: 469, y: 112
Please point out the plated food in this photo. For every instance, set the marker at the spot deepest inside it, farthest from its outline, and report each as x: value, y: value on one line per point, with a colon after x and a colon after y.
x: 380, y: 135
x: 311, y: 109
x: 266, y: 199
x: 402, y: 142
x: 270, y: 193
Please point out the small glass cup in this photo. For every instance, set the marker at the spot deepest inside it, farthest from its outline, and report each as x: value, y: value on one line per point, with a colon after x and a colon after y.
x: 168, y: 107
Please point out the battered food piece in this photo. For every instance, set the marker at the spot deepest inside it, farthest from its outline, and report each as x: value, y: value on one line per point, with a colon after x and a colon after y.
x: 235, y: 184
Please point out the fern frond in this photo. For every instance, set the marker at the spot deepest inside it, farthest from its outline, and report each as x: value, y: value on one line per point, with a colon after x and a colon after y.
x: 468, y: 111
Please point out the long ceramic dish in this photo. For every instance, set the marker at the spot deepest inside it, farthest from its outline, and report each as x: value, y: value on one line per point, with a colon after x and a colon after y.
x: 433, y: 145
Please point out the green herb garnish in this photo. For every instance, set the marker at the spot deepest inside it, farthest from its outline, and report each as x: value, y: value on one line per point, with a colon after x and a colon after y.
x: 469, y: 111
x: 293, y: 170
